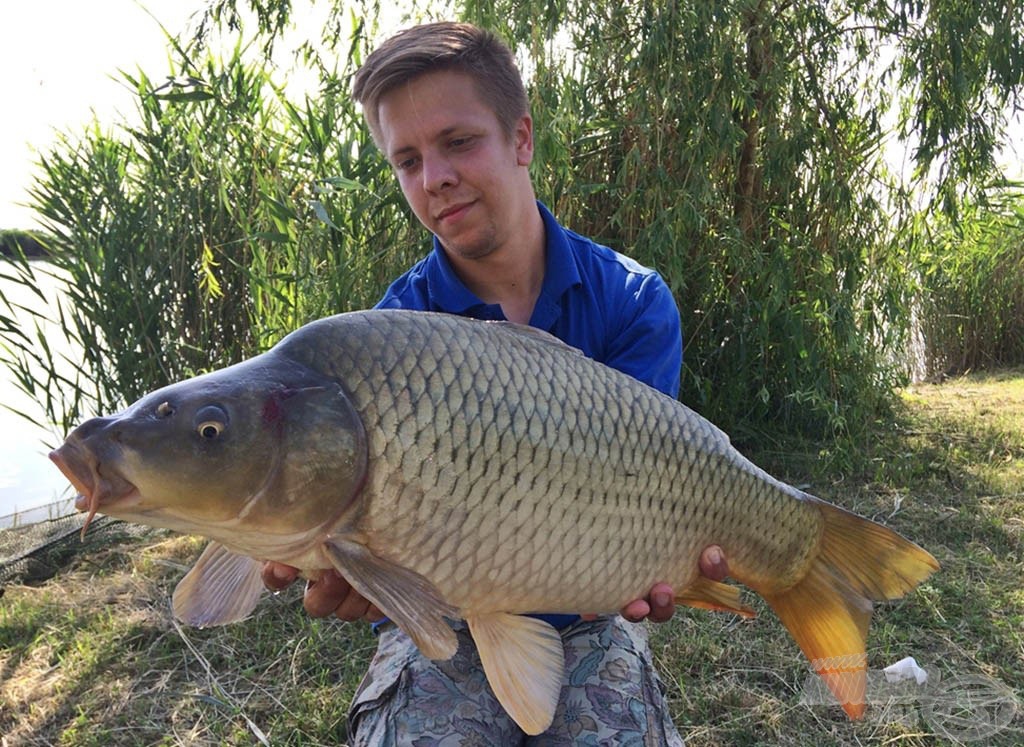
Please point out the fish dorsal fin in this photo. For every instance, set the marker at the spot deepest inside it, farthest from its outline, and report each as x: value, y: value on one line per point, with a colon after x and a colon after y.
x: 221, y: 588
x: 713, y: 595
x: 524, y: 661
x: 410, y: 600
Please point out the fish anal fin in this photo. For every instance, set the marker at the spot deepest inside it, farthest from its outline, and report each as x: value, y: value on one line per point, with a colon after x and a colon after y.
x: 406, y: 597
x: 828, y: 610
x: 221, y: 588
x: 524, y: 661
x: 713, y: 595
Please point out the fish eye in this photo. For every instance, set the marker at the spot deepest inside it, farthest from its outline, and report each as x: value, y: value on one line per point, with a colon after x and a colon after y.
x: 211, y: 421
x: 210, y: 429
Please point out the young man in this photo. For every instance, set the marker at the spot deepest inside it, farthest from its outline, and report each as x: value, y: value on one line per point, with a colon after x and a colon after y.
x: 446, y: 105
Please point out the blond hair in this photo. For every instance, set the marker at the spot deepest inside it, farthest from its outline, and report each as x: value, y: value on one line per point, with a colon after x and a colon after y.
x: 433, y: 47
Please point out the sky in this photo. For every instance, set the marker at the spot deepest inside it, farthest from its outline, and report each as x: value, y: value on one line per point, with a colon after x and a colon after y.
x: 59, y: 60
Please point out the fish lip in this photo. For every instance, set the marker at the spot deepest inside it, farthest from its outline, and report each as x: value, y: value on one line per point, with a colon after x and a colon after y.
x: 131, y: 497
x: 95, y: 491
x: 72, y: 460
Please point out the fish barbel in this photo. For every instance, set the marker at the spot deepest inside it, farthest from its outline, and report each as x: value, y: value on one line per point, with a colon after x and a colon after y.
x: 452, y: 468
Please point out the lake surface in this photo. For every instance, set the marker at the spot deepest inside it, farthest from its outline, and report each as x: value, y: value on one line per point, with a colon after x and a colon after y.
x: 29, y: 482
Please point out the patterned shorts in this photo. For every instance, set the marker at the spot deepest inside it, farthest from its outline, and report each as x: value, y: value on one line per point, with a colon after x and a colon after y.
x: 612, y: 695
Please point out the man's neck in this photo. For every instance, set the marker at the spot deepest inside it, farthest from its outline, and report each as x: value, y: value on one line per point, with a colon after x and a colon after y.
x: 512, y: 275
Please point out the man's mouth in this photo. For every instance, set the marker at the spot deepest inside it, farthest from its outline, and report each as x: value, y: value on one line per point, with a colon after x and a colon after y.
x: 454, y: 211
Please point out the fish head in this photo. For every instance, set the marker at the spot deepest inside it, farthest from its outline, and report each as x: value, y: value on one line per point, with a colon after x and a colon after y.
x: 265, y: 446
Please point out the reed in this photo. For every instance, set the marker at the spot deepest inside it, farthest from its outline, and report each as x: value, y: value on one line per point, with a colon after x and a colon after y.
x: 225, y: 218
x: 972, y: 304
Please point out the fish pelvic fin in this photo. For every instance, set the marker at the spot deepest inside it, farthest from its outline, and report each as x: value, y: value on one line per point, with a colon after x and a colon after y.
x: 828, y: 611
x: 222, y: 587
x: 706, y: 594
x: 406, y: 597
x: 524, y: 661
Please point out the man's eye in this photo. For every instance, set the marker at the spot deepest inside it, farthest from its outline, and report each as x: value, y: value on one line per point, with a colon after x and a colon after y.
x: 460, y: 142
x: 405, y: 164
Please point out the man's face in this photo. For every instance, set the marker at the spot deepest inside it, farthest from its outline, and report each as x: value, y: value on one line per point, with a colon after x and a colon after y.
x: 464, y: 177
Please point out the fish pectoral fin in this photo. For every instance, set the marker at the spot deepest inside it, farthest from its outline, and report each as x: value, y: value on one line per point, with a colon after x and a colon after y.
x: 409, y: 599
x: 524, y: 661
x: 713, y: 595
x: 221, y: 588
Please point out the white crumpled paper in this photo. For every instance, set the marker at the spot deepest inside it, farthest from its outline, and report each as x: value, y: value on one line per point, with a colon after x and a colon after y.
x: 905, y: 669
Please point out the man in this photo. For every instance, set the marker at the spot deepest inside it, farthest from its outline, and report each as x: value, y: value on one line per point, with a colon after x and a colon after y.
x: 446, y: 105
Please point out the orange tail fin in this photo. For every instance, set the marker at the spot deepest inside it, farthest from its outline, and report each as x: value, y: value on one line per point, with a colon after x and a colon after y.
x: 827, y: 612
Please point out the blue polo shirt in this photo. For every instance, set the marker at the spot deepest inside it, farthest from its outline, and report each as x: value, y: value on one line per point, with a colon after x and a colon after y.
x: 615, y: 310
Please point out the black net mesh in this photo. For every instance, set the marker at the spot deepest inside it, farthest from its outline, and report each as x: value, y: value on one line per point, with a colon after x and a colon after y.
x: 35, y: 545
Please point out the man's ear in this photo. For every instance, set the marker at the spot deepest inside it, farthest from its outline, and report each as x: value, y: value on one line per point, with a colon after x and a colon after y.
x: 523, y: 139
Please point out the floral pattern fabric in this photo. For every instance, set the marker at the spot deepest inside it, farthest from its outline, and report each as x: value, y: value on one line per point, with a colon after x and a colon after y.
x: 611, y: 696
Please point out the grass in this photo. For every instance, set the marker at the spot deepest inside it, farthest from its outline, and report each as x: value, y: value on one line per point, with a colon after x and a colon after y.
x: 950, y: 475
x: 92, y: 657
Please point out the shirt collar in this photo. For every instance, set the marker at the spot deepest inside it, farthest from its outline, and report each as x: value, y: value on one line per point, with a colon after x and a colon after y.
x: 560, y: 274
x: 446, y: 289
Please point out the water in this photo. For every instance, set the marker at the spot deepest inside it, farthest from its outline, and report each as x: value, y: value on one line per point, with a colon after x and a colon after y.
x: 28, y: 480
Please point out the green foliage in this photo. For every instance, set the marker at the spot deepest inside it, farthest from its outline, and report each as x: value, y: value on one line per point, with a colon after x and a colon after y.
x: 972, y: 305
x: 226, y: 218
x: 961, y: 69
x: 735, y: 146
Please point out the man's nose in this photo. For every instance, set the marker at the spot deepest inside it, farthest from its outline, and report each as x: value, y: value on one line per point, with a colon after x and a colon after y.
x: 438, y: 174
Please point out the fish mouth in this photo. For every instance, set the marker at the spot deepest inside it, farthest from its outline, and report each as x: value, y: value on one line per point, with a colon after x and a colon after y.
x: 98, y: 488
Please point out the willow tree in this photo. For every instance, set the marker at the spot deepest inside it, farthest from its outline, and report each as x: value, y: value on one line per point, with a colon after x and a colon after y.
x: 738, y: 146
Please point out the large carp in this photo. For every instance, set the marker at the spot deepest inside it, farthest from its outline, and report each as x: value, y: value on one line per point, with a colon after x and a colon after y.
x: 451, y: 468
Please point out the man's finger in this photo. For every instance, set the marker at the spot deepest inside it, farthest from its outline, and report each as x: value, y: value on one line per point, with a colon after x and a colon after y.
x: 278, y: 576
x: 662, y: 603
x: 636, y: 610
x: 324, y: 594
x: 713, y: 563
x: 353, y: 607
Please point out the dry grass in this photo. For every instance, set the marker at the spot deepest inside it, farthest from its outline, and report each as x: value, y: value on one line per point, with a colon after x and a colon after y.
x: 93, y: 658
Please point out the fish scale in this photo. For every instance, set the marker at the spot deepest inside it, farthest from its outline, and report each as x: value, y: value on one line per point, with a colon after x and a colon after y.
x: 451, y: 468
x: 514, y: 433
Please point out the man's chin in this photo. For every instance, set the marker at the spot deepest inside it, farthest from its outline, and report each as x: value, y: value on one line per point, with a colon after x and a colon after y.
x: 469, y: 249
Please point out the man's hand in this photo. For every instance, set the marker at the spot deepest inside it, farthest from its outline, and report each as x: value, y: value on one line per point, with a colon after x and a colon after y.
x: 328, y: 594
x: 659, y: 605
